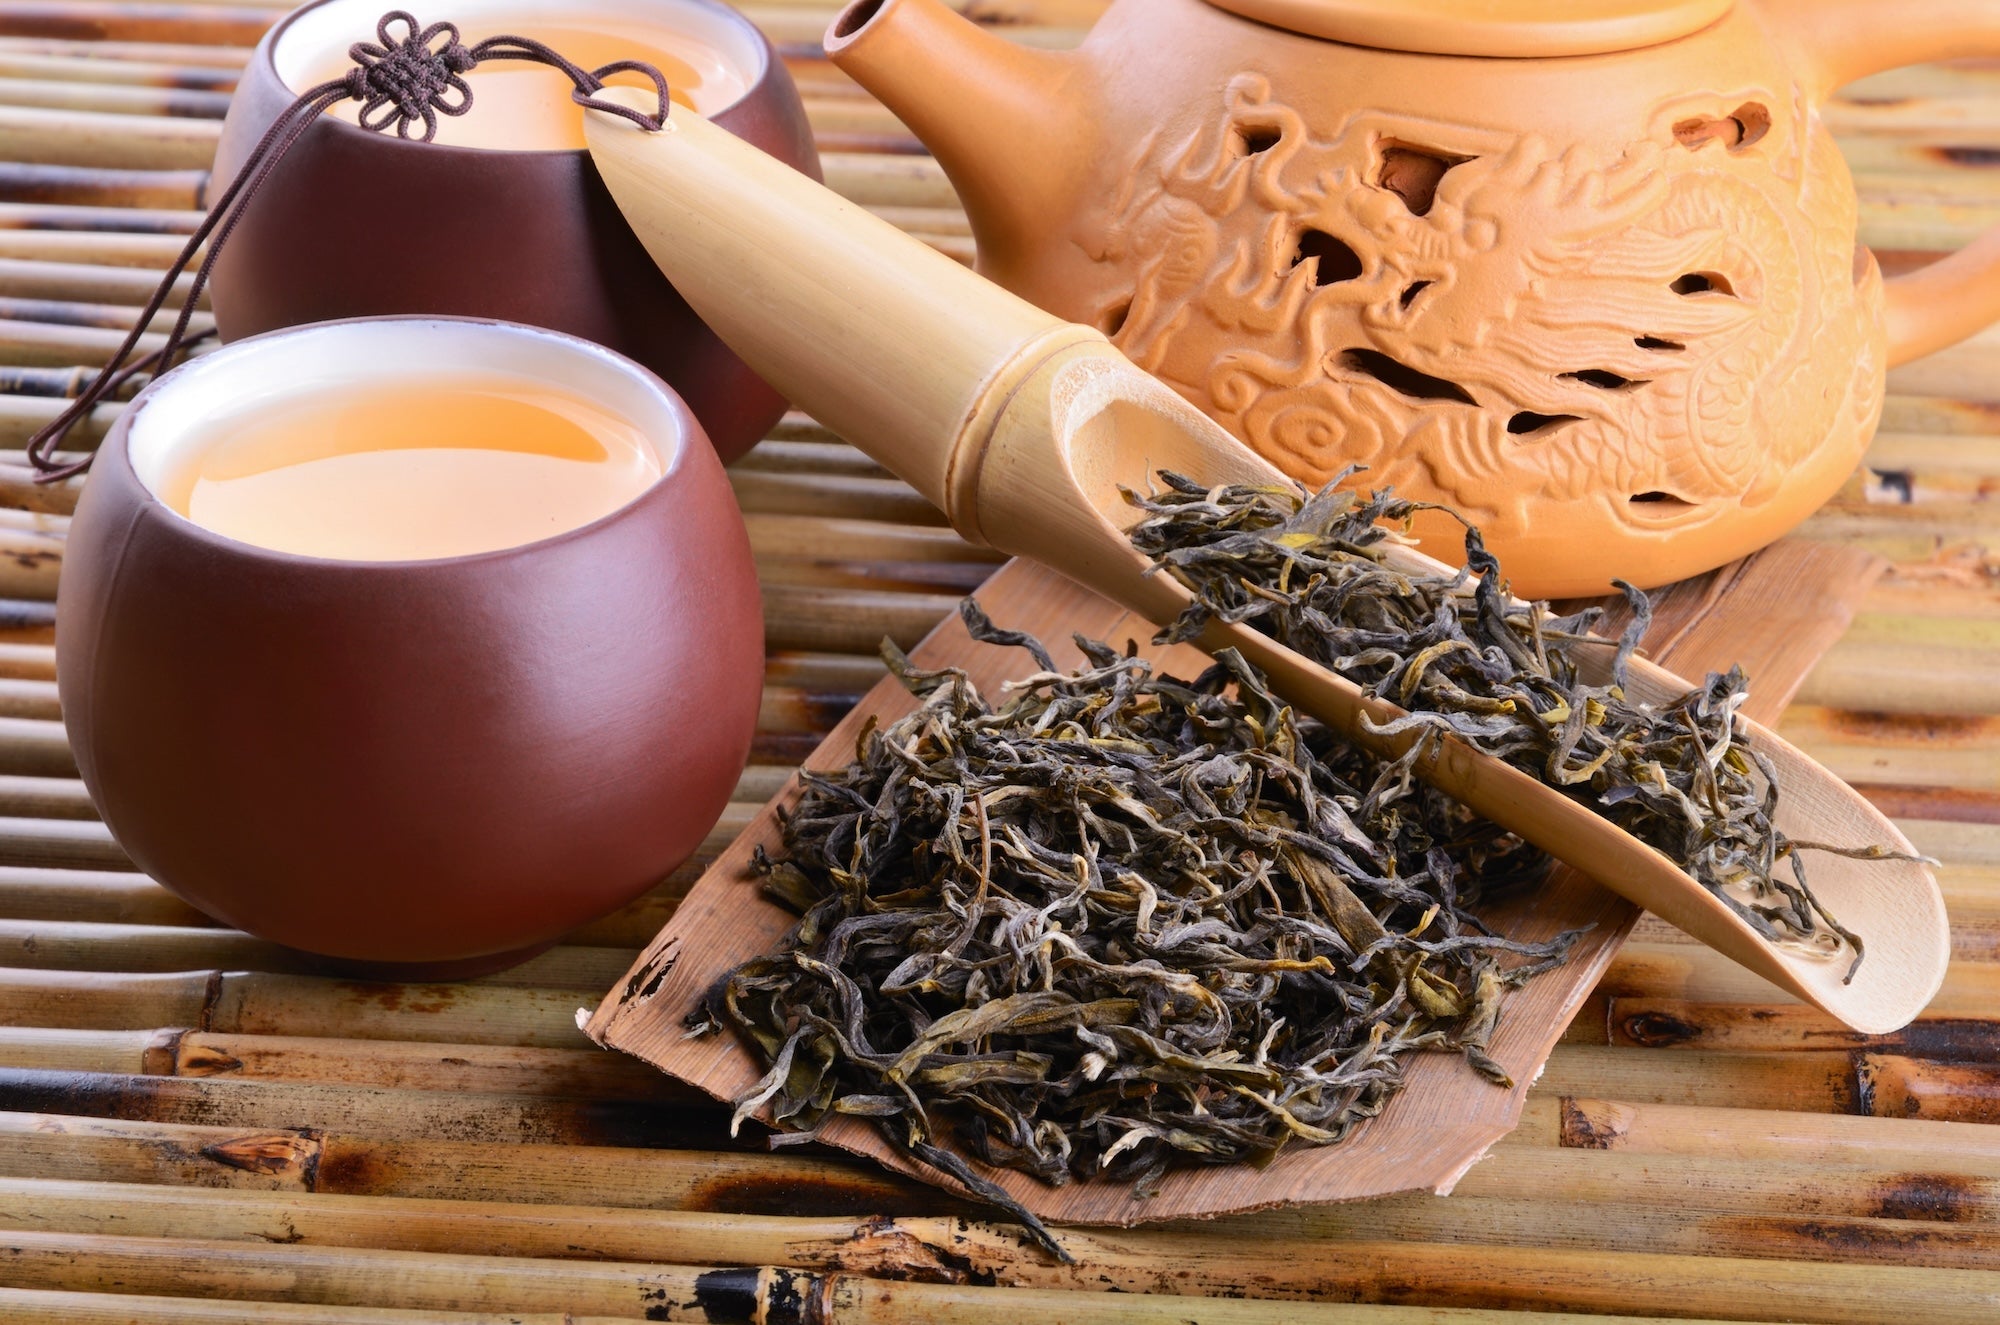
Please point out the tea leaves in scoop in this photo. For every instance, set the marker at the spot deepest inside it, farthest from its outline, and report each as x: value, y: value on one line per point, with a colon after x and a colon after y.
x: 1113, y: 921
x: 1502, y: 676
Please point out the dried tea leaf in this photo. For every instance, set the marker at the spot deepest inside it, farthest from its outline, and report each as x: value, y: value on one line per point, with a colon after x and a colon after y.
x: 1116, y: 922
x: 1308, y: 571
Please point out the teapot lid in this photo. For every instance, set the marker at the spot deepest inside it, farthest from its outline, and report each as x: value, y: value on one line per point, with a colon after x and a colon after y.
x: 1517, y: 28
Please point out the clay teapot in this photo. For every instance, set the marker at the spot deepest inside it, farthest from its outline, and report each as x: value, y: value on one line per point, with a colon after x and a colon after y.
x: 1585, y: 270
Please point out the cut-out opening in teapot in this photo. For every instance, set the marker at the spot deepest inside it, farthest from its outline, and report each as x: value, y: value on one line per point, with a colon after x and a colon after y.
x: 1587, y: 272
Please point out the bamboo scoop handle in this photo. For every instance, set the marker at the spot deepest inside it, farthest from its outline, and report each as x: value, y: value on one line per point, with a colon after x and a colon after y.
x: 775, y: 264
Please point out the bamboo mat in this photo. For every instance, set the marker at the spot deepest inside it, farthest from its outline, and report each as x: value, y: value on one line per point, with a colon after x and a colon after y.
x: 193, y: 1128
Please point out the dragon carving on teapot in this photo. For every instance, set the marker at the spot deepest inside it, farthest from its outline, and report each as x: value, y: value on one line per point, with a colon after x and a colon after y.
x: 1622, y: 325
x: 1485, y: 322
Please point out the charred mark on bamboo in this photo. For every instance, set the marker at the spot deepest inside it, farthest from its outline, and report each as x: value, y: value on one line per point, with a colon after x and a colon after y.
x: 1898, y: 483
x: 1966, y: 156
x: 269, y: 1154
x: 1582, y: 1129
x: 423, y: 1000
x: 1944, y: 1039
x: 1658, y: 1030
x: 1861, y: 1086
x: 201, y: 1060
x: 770, y: 1296
x: 881, y: 1247
x: 1845, y: 1239
x: 827, y: 1195
x: 1937, y: 1197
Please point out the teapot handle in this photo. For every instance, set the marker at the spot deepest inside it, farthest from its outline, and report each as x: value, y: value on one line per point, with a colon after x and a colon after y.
x: 1842, y: 40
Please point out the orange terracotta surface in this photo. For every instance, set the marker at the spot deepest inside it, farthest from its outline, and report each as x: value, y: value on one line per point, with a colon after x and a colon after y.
x: 1608, y: 305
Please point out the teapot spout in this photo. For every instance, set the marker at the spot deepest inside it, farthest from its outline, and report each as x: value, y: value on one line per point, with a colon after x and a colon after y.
x: 1000, y: 117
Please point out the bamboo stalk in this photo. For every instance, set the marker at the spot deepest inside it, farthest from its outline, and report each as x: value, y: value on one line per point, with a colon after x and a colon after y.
x: 118, y: 98
x: 796, y: 425
x: 198, y: 54
x: 1545, y: 1197
x: 952, y: 577
x: 64, y: 216
x: 382, y: 1064
x: 845, y: 1301
x: 836, y: 1300
x: 25, y: 380
x: 86, y: 946
x: 30, y: 566
x: 115, y: 319
x: 858, y: 540
x: 1701, y: 975
x: 950, y: 221
x: 1537, y: 1195
x: 891, y: 181
x: 825, y: 674
x: 1965, y: 370
x: 401, y: 1114
x: 117, y: 142
x: 188, y: 1155
x: 853, y: 621
x: 82, y: 282
x: 260, y: 1003
x: 220, y: 25
x: 28, y: 182
x: 45, y: 797
x: 28, y: 661
x: 98, y: 248
x: 783, y: 710
x: 782, y: 456
x: 1659, y: 1227
x: 182, y: 1155
x: 1940, y: 414
x: 1665, y: 1023
x: 1822, y: 1082
x: 29, y: 699
x: 101, y: 896
x: 1949, y: 750
x: 759, y: 782
x: 132, y: 73
x: 1720, y: 1184
x: 35, y: 748
x: 32, y: 1306
x: 1758, y: 1136
x: 22, y: 416
x: 832, y: 496
x: 20, y: 491
x: 1296, y: 1272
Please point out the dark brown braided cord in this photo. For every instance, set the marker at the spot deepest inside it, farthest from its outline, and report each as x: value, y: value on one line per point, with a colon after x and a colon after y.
x: 399, y: 83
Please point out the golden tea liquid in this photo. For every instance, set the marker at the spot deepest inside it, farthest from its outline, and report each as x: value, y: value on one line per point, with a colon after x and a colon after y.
x: 410, y: 470
x: 520, y: 106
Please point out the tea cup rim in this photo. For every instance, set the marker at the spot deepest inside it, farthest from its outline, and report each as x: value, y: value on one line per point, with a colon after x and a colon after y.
x: 687, y: 439
x: 754, y: 83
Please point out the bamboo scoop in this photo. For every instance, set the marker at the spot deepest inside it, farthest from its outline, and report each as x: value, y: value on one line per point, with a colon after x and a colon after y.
x: 1022, y: 427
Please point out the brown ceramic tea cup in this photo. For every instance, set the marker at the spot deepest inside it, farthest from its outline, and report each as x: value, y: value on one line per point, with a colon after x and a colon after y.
x: 424, y: 768
x: 361, y: 224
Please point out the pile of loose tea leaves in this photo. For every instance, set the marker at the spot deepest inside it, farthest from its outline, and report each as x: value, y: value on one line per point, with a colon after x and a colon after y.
x: 1118, y: 921
x: 1502, y: 676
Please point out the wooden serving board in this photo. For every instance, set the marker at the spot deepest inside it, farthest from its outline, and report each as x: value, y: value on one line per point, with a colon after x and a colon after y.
x: 1775, y: 613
